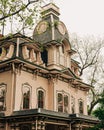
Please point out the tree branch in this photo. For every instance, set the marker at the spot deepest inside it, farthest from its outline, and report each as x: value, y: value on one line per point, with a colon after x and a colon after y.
x: 14, y: 13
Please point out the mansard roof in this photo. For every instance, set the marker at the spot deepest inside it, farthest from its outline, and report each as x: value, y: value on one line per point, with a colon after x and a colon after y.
x: 50, y: 27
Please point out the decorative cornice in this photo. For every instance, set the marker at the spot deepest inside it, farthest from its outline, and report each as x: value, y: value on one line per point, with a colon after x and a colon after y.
x: 18, y: 65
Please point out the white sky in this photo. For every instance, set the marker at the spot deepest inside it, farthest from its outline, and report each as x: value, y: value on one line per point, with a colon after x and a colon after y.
x: 82, y: 16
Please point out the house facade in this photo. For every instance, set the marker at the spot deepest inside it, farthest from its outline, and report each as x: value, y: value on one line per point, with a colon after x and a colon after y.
x: 40, y: 87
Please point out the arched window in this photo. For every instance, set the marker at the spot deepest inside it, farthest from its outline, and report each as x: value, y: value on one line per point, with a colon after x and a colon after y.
x: 40, y: 98
x: 63, y: 102
x: 2, y: 97
x: 26, y: 96
x: 81, y: 106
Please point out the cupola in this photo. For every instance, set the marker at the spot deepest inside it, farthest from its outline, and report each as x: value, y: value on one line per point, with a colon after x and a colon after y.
x: 50, y: 28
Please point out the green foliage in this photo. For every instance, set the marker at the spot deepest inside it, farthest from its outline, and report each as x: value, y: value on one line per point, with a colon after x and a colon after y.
x: 20, y: 12
x: 99, y: 112
x: 29, y: 20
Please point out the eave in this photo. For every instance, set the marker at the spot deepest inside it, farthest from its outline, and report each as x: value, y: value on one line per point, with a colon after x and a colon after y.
x: 49, y: 115
x: 26, y: 63
x: 39, y: 113
x: 12, y: 38
x: 67, y: 71
x: 84, y: 118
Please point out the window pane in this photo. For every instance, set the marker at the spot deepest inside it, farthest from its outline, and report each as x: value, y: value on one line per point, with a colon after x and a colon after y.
x: 81, y: 107
x: 66, y: 103
x: 40, y: 99
x: 60, y: 102
x: 26, y: 98
x: 2, y: 97
x: 73, y: 104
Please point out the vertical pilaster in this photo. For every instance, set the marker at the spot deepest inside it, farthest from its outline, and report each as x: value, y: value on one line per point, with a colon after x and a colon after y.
x: 51, y: 95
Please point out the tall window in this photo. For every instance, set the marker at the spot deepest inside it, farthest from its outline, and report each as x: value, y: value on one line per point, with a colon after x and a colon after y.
x: 2, y: 96
x: 81, y: 106
x: 73, y: 105
x: 65, y: 103
x: 62, y: 102
x: 26, y: 97
x: 40, y: 98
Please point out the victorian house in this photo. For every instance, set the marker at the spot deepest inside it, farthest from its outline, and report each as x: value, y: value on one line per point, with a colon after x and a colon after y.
x: 40, y: 87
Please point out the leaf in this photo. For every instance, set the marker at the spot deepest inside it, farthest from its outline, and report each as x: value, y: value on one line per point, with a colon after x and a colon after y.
x: 29, y: 20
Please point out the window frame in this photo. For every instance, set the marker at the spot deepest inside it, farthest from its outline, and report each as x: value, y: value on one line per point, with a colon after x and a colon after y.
x: 72, y: 104
x: 44, y: 93
x: 4, y: 100
x: 63, y: 101
x: 26, y: 85
x: 81, y: 100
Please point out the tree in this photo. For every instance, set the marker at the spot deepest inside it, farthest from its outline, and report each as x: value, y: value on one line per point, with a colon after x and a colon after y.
x: 89, y: 53
x: 18, y: 11
x: 99, y: 112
